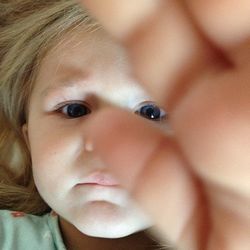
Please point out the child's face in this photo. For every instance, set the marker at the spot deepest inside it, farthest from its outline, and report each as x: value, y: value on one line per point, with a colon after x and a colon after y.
x: 98, y: 70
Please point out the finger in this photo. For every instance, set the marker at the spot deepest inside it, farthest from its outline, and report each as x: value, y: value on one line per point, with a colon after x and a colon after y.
x: 168, y: 52
x: 170, y: 193
x: 225, y: 22
x: 121, y: 17
x: 230, y: 216
x: 166, y: 48
x: 212, y: 127
x: 150, y: 166
x: 172, y: 44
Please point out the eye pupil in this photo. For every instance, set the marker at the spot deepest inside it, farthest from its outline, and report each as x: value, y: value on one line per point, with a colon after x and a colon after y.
x: 77, y: 110
x: 151, y: 112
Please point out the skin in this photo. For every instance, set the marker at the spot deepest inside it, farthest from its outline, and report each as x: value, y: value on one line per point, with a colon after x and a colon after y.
x: 202, y: 78
x: 60, y: 152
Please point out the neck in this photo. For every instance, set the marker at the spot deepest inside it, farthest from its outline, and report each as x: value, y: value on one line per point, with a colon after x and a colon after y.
x: 76, y: 240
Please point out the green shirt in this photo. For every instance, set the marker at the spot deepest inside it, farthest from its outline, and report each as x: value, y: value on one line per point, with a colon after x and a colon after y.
x: 20, y: 231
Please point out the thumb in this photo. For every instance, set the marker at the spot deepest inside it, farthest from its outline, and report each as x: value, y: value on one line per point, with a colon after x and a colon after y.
x: 151, y: 167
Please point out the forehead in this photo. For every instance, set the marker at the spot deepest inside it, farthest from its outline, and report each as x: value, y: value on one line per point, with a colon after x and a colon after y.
x: 79, y: 46
x: 79, y: 53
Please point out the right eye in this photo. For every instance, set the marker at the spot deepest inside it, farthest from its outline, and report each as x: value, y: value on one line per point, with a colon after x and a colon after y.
x: 75, y: 110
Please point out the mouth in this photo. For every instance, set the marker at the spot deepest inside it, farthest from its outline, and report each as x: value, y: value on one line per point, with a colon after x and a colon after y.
x: 101, y: 179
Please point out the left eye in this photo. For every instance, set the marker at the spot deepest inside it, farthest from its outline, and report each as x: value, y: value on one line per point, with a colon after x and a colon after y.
x: 152, y: 112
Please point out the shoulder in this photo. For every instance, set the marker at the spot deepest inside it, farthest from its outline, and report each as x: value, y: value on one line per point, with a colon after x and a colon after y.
x: 25, y: 231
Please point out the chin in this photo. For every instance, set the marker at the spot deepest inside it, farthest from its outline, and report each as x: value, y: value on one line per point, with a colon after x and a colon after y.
x: 106, y: 220
x: 108, y: 232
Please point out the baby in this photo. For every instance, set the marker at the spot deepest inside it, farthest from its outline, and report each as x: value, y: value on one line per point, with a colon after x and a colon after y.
x: 58, y: 67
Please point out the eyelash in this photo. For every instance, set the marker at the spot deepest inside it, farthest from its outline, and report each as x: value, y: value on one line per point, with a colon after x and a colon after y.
x: 139, y: 109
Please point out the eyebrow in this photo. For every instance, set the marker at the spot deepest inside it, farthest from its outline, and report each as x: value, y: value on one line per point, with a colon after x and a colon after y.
x: 65, y: 85
x: 69, y: 80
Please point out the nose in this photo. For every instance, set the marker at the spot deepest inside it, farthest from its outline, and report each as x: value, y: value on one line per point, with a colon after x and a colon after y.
x: 91, y: 157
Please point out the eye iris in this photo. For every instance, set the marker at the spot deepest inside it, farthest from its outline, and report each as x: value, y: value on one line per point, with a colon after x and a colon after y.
x: 76, y: 110
x: 151, y: 112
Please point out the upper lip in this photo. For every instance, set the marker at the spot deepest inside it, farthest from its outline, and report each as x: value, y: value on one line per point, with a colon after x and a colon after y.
x: 99, y: 178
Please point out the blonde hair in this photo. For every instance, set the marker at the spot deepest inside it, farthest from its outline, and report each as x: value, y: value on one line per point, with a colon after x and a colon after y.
x: 28, y: 30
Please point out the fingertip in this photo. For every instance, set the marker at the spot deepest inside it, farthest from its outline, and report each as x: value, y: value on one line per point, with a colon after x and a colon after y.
x: 120, y: 18
x: 166, y: 184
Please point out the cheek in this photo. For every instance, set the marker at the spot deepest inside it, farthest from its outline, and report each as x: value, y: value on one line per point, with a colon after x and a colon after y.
x: 47, y: 164
x: 51, y: 140
x: 45, y: 147
x: 54, y: 153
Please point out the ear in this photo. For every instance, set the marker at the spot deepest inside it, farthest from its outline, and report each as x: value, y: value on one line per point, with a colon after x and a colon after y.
x: 26, y: 135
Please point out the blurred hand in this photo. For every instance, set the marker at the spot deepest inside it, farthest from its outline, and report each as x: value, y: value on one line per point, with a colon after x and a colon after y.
x: 194, y: 58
